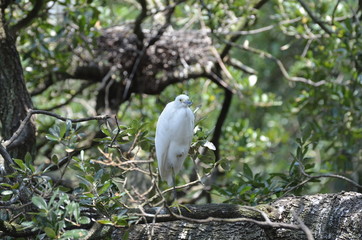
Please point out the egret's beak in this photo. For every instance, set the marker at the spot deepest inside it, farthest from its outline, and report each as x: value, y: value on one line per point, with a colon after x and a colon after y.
x: 188, y: 103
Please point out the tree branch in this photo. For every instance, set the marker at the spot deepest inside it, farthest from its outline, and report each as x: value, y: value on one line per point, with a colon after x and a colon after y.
x: 248, y: 214
x: 239, y: 65
x: 314, y: 18
x: 137, y: 26
x: 5, y: 162
x: 152, y: 41
x: 29, y: 18
x: 220, y: 122
x: 280, y: 65
x: 9, y: 143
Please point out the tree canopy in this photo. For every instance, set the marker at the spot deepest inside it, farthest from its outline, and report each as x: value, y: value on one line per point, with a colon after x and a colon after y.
x: 276, y: 86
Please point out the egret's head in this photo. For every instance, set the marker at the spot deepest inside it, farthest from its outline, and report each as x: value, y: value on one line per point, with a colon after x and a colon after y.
x: 183, y: 100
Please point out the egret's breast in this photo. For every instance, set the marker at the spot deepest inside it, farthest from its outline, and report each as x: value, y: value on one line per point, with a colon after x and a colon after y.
x: 183, y: 126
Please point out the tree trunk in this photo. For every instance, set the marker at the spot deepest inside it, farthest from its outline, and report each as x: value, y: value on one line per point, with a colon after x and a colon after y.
x: 14, y: 97
x: 328, y: 216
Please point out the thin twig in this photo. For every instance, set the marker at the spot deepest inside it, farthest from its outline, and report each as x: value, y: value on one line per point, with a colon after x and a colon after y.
x: 327, y: 175
x: 314, y: 18
x: 279, y: 63
x: 262, y: 29
x: 31, y: 112
x: 334, y: 11
x: 310, y: 178
x: 303, y: 227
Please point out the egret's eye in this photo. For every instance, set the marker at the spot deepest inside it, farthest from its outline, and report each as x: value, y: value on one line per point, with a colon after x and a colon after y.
x: 180, y: 100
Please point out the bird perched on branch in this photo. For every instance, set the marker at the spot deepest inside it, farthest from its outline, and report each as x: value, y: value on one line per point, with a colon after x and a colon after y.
x: 174, y: 132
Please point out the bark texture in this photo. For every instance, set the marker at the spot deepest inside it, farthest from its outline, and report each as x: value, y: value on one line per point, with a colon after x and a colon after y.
x: 14, y: 98
x: 328, y: 216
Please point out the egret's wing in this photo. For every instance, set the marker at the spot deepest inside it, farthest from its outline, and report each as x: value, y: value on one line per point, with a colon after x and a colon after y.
x: 162, y: 140
x: 162, y: 148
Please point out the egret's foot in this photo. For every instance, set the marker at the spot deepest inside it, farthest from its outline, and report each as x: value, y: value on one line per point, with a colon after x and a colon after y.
x: 179, y: 206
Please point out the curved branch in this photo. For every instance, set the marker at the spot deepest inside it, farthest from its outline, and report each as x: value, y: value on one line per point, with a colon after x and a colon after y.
x: 280, y: 65
x: 220, y: 122
x: 5, y: 162
x: 29, y: 18
x: 12, y: 141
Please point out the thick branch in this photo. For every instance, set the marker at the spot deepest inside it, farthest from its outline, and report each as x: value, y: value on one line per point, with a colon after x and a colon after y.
x: 320, y: 216
x: 152, y: 41
x: 138, y: 24
x: 220, y: 121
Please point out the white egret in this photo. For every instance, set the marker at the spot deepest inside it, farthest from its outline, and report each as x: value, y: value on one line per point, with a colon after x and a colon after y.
x: 174, y: 132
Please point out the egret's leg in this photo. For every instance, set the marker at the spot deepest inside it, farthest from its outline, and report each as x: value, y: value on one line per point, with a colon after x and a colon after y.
x: 174, y: 185
x: 176, y: 204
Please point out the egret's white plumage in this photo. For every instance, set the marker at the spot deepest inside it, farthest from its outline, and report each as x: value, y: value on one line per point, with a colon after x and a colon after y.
x: 174, y: 131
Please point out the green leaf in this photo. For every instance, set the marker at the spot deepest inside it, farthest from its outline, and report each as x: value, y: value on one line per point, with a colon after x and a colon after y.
x: 55, y: 194
x: 39, y: 202
x: 208, y: 157
x: 6, y: 185
x: 104, y: 188
x: 68, y: 124
x: 28, y: 159
x: 55, y: 131
x: 244, y: 189
x: 106, y: 131
x: 62, y: 130
x: 75, y: 234
x: 50, y: 232
x: 225, y: 164
x: 84, y: 220
x: 106, y: 222
x: 247, y: 171
x: 55, y: 159
x: 51, y: 137
x: 16, y: 185
x: 21, y: 164
x: 121, y: 222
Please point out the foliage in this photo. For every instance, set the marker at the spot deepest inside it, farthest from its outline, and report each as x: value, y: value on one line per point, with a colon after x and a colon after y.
x: 280, y: 130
